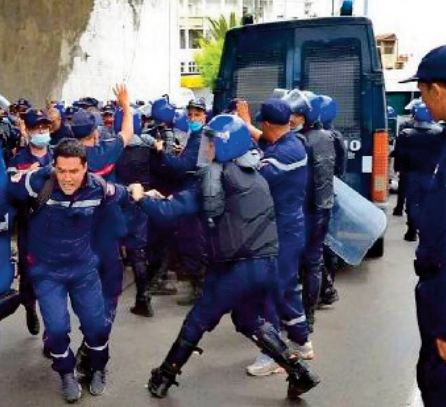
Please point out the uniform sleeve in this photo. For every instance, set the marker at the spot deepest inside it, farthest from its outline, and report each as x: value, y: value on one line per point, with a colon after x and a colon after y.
x: 106, y: 154
x: 116, y: 193
x: 273, y: 169
x: 184, y: 162
x: 23, y: 186
x: 168, y: 210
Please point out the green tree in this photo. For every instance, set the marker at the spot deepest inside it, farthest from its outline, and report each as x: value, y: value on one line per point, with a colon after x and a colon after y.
x: 211, y: 48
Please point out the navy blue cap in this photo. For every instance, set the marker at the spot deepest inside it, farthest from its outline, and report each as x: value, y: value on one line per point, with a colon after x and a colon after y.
x: 23, y: 103
x: 199, y: 103
x: 83, y: 123
x: 274, y: 111
x: 432, y: 67
x: 86, y: 102
x: 34, y: 117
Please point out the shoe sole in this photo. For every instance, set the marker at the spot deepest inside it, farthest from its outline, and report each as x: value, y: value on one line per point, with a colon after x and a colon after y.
x: 277, y: 370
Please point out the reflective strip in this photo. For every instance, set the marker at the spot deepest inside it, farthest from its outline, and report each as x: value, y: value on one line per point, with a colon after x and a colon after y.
x: 97, y: 348
x: 12, y: 169
x: 52, y: 202
x: 286, y: 167
x: 299, y: 287
x: 4, y: 226
x: 30, y: 191
x: 61, y: 356
x: 86, y: 203
x: 295, y: 321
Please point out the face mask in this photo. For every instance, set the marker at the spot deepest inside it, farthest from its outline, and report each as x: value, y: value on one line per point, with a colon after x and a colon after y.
x: 195, y: 126
x: 41, y: 140
x: 298, y: 128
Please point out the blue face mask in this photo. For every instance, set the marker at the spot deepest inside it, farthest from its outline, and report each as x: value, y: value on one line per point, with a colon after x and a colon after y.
x: 195, y: 126
x: 40, y: 140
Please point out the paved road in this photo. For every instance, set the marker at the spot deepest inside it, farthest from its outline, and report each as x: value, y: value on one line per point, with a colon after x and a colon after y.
x: 366, y: 350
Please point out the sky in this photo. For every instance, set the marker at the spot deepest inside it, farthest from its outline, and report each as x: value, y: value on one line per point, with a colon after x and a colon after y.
x: 420, y: 25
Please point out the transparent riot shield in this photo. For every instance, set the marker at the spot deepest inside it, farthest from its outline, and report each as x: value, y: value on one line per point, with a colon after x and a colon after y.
x: 355, y: 224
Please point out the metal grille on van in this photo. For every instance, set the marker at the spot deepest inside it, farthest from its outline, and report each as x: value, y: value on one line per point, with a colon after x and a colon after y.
x: 335, y: 70
x: 257, y: 75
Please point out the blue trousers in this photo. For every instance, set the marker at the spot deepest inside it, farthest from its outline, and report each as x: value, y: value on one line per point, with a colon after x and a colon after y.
x: 285, y: 308
x: 431, y: 313
x: 416, y: 188
x: 312, y: 262
x: 240, y: 288
x: 53, y: 285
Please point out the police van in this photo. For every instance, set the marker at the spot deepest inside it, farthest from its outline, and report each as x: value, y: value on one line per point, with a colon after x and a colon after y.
x: 335, y: 56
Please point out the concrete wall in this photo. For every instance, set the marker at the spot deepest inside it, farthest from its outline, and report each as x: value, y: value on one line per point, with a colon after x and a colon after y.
x: 69, y: 49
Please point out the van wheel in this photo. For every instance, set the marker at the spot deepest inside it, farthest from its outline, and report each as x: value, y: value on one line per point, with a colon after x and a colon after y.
x: 377, y: 250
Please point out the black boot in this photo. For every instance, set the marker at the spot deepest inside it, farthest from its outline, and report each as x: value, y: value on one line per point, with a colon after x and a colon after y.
x: 9, y: 302
x: 32, y: 320
x: 163, y: 377
x: 300, y: 378
x: 83, y: 363
x: 138, y: 262
x: 142, y: 308
x: 410, y: 235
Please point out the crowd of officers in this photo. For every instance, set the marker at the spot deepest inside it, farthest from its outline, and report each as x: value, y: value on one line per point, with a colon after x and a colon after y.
x: 242, y: 211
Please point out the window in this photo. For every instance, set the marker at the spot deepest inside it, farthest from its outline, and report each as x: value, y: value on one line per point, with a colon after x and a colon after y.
x: 182, y: 39
x: 388, y: 50
x: 193, y: 68
x: 194, y: 36
x: 182, y: 67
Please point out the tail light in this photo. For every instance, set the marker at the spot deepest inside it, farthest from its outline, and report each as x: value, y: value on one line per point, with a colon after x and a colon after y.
x: 380, y: 168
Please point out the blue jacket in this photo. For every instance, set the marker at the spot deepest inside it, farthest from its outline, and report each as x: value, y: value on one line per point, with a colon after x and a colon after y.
x: 60, y: 232
x: 284, y: 166
x: 24, y: 159
x: 102, y: 158
x: 63, y: 132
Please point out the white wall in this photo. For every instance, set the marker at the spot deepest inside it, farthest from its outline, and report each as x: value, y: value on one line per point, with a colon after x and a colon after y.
x: 131, y: 40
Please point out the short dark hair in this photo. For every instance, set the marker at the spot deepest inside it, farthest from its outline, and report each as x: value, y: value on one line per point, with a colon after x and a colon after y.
x: 70, y: 147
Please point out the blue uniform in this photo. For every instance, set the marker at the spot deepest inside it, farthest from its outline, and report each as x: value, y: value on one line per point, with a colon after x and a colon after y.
x: 430, y: 265
x: 177, y: 174
x: 110, y: 223
x: 62, y: 263
x: 64, y: 131
x: 418, y: 152
x: 22, y: 162
x: 284, y: 166
x: 322, y: 164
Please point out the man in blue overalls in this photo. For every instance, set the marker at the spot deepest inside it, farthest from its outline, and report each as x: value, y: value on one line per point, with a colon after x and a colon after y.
x: 430, y: 263
x: 243, y: 241
x: 62, y: 262
x: 102, y: 155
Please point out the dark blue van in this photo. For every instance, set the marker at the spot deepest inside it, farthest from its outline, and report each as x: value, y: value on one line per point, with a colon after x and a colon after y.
x: 335, y: 56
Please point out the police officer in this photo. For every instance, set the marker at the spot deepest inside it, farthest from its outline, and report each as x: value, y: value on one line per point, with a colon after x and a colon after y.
x: 34, y: 155
x: 430, y: 263
x: 243, y: 267
x: 62, y: 262
x: 284, y: 166
x: 398, y: 166
x: 417, y: 152
x: 179, y: 171
x: 319, y: 200
x: 134, y: 167
x: 59, y: 129
x: 329, y: 294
